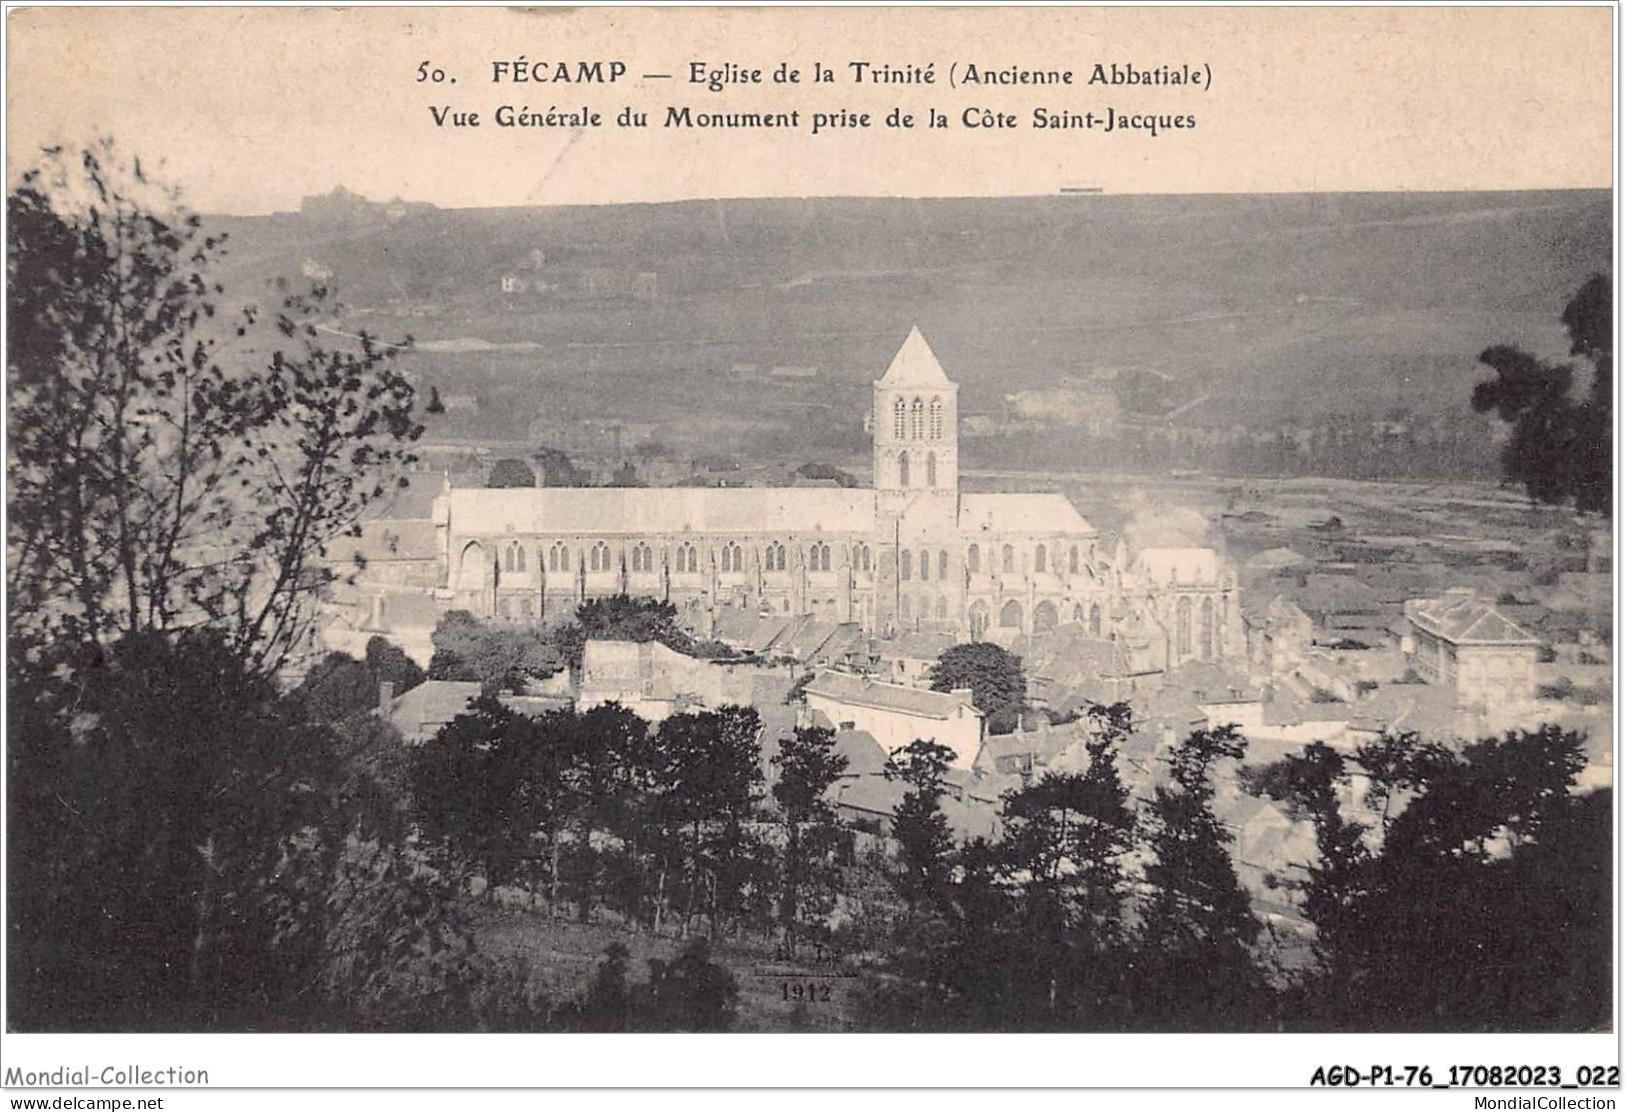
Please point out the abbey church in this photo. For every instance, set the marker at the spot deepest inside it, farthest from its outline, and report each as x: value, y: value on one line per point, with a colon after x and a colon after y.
x: 912, y: 554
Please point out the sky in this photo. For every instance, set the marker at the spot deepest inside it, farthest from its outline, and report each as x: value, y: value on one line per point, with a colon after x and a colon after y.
x: 251, y: 109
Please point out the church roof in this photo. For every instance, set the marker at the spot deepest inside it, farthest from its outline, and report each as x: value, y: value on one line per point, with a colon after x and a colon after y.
x: 1020, y: 513
x: 915, y: 364
x: 661, y: 511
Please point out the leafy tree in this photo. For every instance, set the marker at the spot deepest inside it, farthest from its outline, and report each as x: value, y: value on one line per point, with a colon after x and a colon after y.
x: 692, y: 993
x: 808, y: 764
x: 994, y: 677
x: 1561, y: 448
x: 471, y: 785
x: 558, y: 470
x: 919, y: 826
x: 435, y: 406
x: 510, y: 473
x: 153, y: 791
x: 468, y: 649
x: 1199, y: 925
x: 707, y: 795
x: 340, y: 685
x: 1485, y: 904
x: 155, y: 484
x: 1335, y: 888
x: 623, y: 618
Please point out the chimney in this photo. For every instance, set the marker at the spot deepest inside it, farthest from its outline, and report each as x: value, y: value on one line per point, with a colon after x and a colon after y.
x: 386, y: 697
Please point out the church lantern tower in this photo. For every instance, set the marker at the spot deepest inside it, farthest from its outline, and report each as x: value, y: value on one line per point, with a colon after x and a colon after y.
x: 916, y: 433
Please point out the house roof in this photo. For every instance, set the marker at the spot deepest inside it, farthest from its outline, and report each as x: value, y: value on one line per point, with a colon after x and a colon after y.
x: 915, y: 364
x: 844, y: 687
x: 420, y: 713
x: 916, y: 646
x: 1467, y: 620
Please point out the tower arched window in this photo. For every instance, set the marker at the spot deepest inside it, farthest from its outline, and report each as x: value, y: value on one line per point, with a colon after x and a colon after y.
x: 509, y: 558
x: 688, y: 558
x: 902, y: 470
x: 1009, y: 556
x: 925, y: 564
x: 916, y: 425
x: 899, y: 418
x: 942, y: 564
x: 936, y: 418
x: 931, y: 469
x: 973, y: 559
x: 906, y: 565
x: 600, y: 560
x: 1041, y: 559
x: 1072, y: 561
x: 558, y: 558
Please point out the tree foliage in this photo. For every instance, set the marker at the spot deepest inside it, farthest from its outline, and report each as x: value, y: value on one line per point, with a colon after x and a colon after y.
x: 501, y: 656
x: 510, y: 473
x: 169, y: 468
x: 1561, y: 446
x: 994, y: 676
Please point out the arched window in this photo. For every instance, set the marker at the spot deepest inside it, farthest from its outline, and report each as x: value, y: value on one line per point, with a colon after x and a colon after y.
x: 1009, y: 558
x: 916, y: 424
x: 643, y: 558
x: 1041, y: 559
x: 1010, y: 615
x: 902, y: 470
x: 600, y: 557
x: 730, y: 557
x: 1077, y: 612
x: 925, y: 564
x: 558, y: 558
x: 973, y: 559
x: 1072, y: 560
x: 936, y: 418
x: 899, y: 419
x: 688, y: 558
x: 905, y: 567
x: 1207, y: 647
x: 779, y: 557
x: 931, y: 469
x: 471, y: 568
x: 978, y: 620
x: 1182, y: 625
x: 1044, y: 617
x: 820, y: 557
x: 860, y: 557
x: 942, y: 564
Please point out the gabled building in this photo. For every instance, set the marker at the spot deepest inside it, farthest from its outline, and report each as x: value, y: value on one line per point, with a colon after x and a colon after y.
x: 897, y: 716
x: 1463, y: 643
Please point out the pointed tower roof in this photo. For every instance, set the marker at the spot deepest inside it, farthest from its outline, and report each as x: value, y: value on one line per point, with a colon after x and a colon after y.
x: 915, y: 364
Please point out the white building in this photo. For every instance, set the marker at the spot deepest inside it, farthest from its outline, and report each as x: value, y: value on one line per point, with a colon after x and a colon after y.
x: 897, y: 716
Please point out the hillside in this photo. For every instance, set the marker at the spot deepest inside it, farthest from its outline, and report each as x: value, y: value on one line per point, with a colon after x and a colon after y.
x: 1256, y: 309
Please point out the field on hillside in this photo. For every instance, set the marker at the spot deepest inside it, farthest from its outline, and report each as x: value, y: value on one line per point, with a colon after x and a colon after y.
x: 1258, y: 308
